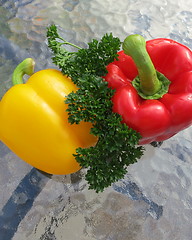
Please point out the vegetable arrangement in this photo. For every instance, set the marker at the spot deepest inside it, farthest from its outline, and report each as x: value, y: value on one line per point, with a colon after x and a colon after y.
x: 101, y: 108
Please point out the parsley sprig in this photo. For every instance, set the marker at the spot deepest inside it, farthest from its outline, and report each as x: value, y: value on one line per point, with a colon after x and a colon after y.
x: 116, y: 148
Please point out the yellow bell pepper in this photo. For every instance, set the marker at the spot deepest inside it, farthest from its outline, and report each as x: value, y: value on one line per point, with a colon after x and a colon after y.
x: 34, y: 122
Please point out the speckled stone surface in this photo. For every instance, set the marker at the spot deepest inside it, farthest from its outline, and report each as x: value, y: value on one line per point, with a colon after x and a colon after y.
x: 154, y: 200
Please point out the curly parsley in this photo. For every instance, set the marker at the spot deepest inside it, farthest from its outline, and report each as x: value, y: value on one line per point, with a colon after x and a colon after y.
x: 116, y: 148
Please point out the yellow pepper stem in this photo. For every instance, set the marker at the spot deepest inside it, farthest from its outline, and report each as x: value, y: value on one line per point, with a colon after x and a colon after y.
x: 25, y: 67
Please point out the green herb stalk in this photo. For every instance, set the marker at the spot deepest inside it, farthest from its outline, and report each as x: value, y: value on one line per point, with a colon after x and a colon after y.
x: 116, y: 148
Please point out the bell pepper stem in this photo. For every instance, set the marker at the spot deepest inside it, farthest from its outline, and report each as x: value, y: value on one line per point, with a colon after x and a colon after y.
x: 135, y: 46
x: 25, y: 67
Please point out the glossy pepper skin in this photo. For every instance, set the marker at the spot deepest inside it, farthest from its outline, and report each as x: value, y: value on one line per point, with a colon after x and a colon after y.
x: 34, y: 123
x: 155, y: 119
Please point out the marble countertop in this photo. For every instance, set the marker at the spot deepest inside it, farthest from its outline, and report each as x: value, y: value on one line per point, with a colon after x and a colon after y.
x: 154, y: 200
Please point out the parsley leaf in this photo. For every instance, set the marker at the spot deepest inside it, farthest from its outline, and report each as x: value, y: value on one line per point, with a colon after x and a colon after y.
x: 92, y: 60
x: 116, y: 148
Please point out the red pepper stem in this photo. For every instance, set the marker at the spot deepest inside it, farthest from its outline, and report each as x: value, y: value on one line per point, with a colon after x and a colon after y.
x: 25, y: 67
x: 135, y: 46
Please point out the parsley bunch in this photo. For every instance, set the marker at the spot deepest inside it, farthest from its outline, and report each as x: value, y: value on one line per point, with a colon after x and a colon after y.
x: 116, y: 148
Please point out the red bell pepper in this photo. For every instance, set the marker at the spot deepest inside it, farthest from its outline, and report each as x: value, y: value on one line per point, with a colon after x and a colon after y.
x: 155, y: 117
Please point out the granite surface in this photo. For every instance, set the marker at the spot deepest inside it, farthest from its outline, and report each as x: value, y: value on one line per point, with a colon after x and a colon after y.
x: 154, y: 200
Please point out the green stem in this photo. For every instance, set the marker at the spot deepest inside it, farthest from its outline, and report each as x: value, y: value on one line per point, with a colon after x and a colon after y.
x: 135, y: 46
x: 25, y: 67
x: 68, y: 43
